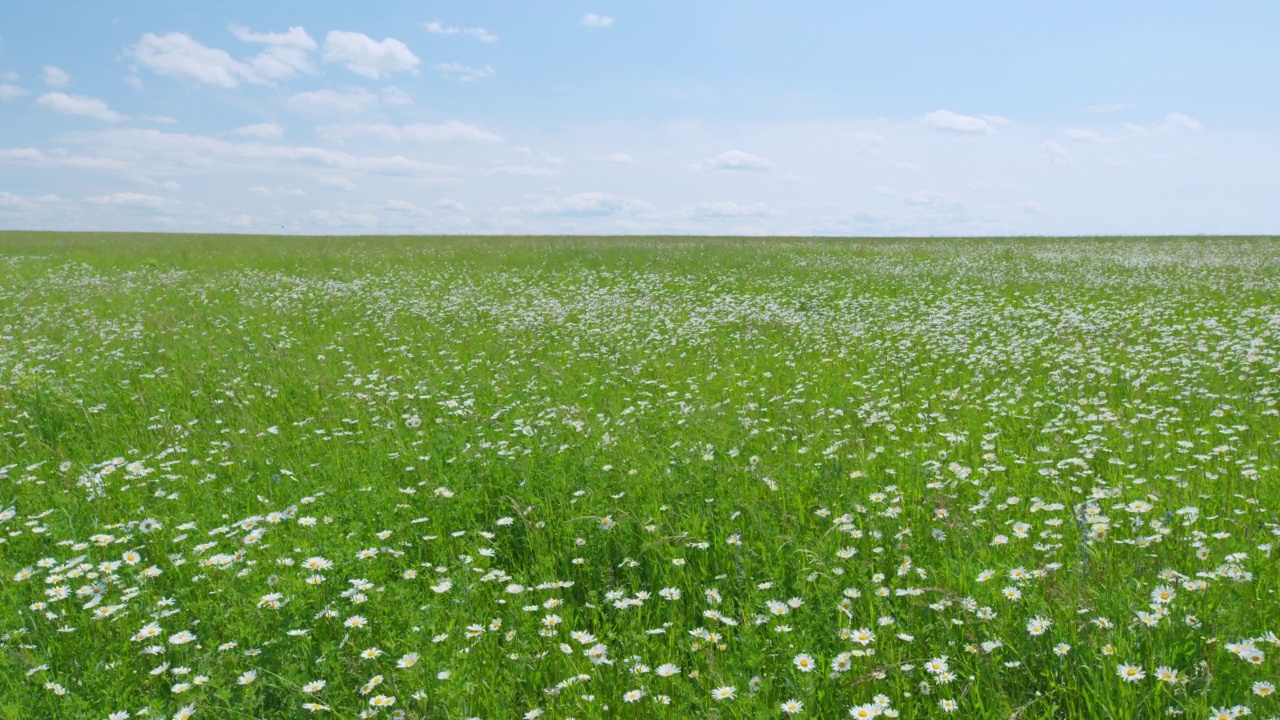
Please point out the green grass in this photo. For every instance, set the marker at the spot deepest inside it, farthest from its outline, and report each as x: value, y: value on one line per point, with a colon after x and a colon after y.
x: 542, y: 437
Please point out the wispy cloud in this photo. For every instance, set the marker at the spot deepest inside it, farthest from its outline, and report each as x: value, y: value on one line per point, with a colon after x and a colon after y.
x: 55, y: 76
x: 956, y: 123
x: 438, y: 28
x: 9, y: 91
x: 458, y: 72
x: 736, y: 160
x: 596, y: 21
x: 417, y: 132
x: 78, y: 105
x: 717, y: 210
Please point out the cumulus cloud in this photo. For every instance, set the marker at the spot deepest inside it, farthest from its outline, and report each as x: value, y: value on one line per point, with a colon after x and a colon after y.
x: 9, y: 91
x: 55, y: 76
x: 182, y: 57
x: 596, y: 21
x: 265, y: 131
x: 736, y: 160
x: 131, y: 200
x: 178, y: 55
x: 162, y: 119
x: 365, y: 56
x: 439, y: 28
x: 287, y: 54
x: 716, y: 210
x: 78, y: 105
x: 458, y: 72
x: 586, y: 204
x: 332, y: 102
x: 451, y: 131
x: 953, y: 122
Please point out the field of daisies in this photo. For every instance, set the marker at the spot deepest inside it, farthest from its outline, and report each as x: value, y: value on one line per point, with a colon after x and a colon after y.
x: 263, y: 478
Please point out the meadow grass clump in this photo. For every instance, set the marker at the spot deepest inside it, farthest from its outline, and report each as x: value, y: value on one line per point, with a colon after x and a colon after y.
x: 250, y: 477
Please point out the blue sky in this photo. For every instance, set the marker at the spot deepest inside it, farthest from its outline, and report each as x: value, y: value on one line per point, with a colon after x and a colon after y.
x: 833, y: 118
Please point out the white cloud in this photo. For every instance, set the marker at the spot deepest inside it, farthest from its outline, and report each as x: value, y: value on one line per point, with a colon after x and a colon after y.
x: 736, y: 160
x: 134, y: 81
x: 1056, y: 154
x: 407, y: 208
x: 715, y: 210
x: 24, y: 154
x: 524, y: 171
x: 178, y: 55
x: 57, y: 77
x: 260, y: 190
x: 365, y: 56
x: 296, y: 37
x: 395, y: 96
x: 9, y: 91
x: 591, y: 203
x: 451, y: 131
x: 480, y: 34
x: 1084, y: 135
x: 265, y: 131
x: 131, y: 200
x: 154, y: 152
x: 1174, y: 121
x: 162, y: 119
x: 458, y: 72
x: 78, y: 105
x: 335, y: 182
x: 952, y: 122
x: 596, y: 21
x: 332, y: 102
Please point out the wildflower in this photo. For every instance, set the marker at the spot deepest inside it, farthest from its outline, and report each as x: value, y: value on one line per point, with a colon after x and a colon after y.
x: 803, y: 662
x: 793, y: 707
x: 1038, y: 625
x: 1130, y: 673
x: 723, y: 693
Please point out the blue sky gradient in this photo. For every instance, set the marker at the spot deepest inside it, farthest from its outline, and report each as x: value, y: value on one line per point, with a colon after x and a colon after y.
x: 918, y: 118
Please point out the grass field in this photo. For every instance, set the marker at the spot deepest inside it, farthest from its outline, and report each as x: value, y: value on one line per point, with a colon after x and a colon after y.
x: 259, y: 477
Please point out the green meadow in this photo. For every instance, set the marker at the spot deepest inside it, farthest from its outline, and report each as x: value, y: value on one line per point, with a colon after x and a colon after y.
x: 569, y: 477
